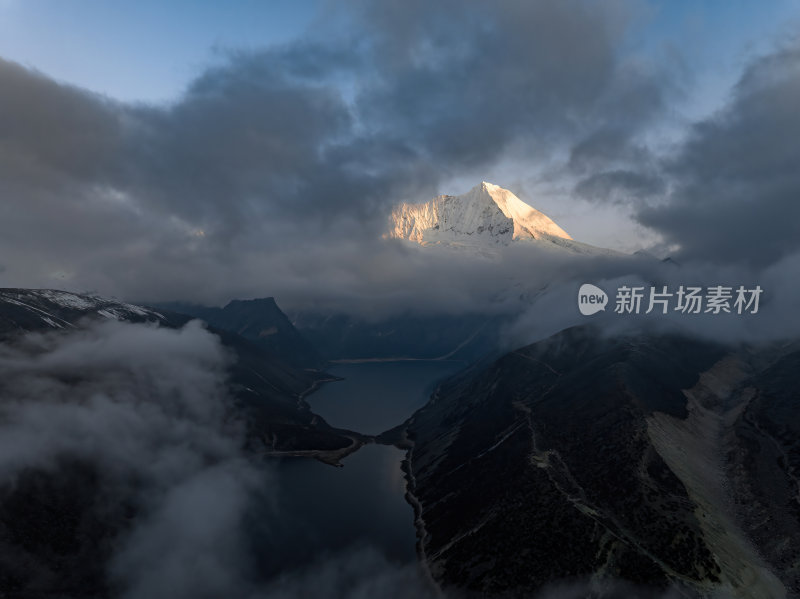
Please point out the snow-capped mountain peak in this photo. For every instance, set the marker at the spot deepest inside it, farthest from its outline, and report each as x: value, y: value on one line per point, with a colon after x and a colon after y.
x: 487, y: 215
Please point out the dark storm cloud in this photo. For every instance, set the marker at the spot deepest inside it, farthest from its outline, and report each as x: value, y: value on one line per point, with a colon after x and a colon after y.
x: 418, y: 92
x: 462, y: 81
x: 601, y: 148
x: 736, y: 180
x: 299, y: 147
x: 273, y: 172
x: 242, y: 143
x: 620, y: 186
x: 613, y: 167
x: 53, y: 130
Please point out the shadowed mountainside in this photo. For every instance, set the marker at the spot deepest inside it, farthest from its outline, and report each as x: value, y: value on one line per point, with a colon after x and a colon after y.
x: 267, y: 388
x: 260, y: 321
x: 661, y: 461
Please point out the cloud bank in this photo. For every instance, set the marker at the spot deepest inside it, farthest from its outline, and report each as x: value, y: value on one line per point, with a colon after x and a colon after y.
x: 276, y: 168
x: 734, y: 181
x: 272, y: 174
x: 132, y: 456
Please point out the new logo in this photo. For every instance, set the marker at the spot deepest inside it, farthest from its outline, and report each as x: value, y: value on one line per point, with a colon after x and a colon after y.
x: 591, y: 299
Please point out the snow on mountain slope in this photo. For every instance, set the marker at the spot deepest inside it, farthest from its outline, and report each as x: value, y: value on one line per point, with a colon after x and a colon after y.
x: 37, y: 309
x: 487, y: 215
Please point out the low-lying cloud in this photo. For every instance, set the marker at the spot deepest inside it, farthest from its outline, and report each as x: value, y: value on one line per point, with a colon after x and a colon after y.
x: 144, y: 413
x: 777, y: 319
x: 123, y: 473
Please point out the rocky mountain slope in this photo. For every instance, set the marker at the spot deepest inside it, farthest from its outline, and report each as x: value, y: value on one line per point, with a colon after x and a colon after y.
x: 664, y: 462
x: 268, y: 389
x: 262, y: 322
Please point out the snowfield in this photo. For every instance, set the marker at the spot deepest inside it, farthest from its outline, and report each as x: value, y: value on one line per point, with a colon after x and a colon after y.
x: 483, y: 220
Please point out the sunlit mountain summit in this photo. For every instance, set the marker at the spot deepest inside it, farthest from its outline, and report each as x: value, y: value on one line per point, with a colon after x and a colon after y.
x: 487, y: 217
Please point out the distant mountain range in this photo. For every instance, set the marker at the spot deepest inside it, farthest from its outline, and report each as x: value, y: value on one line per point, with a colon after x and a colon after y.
x: 260, y: 321
x: 268, y: 387
x: 663, y: 461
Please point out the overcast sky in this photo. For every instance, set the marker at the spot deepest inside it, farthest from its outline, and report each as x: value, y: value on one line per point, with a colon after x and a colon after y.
x: 204, y: 151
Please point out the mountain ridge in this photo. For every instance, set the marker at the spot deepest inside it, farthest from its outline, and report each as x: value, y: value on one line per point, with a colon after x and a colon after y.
x: 487, y: 218
x: 269, y: 389
x: 261, y: 321
x: 660, y: 461
x: 487, y: 212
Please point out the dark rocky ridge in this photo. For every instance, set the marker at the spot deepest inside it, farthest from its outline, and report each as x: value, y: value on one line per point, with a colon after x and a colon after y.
x: 260, y: 321
x: 659, y: 461
x: 311, y: 339
x: 268, y: 389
